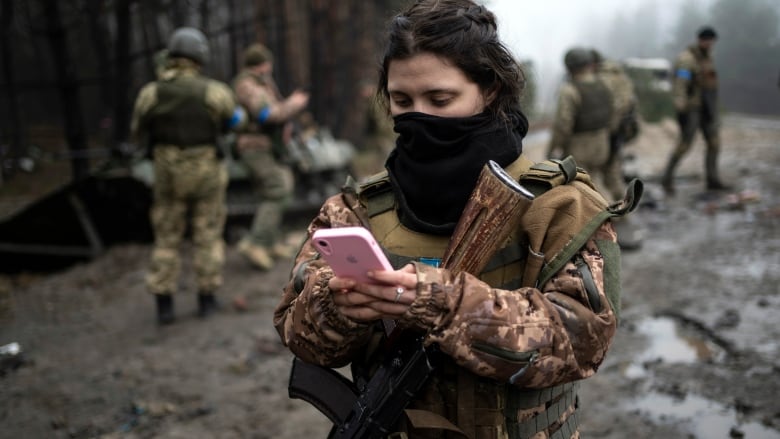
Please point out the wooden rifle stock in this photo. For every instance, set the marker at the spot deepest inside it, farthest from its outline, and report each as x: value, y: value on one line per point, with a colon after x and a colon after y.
x: 494, y: 210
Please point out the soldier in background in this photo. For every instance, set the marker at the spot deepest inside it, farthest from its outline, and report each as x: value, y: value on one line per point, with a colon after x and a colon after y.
x: 180, y: 116
x: 623, y: 127
x: 695, y: 94
x: 262, y: 146
x: 582, y: 121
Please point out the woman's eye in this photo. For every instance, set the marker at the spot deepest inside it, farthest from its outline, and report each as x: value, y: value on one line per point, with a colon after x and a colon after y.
x: 403, y: 103
x: 441, y: 101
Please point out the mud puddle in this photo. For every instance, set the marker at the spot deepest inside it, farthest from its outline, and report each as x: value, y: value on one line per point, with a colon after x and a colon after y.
x: 702, y: 417
x: 671, y: 341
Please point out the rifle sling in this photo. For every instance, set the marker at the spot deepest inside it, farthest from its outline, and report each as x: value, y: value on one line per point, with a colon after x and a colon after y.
x: 327, y: 390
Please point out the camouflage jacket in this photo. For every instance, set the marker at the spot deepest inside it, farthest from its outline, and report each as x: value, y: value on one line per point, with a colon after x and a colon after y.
x: 468, y: 319
x: 265, y: 129
x: 589, y: 148
x: 694, y: 72
x: 622, y: 90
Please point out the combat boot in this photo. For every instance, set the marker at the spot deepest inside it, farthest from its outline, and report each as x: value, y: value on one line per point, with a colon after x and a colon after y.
x: 667, y: 181
x: 165, y: 314
x: 207, y: 304
x: 717, y: 185
x: 283, y: 250
x: 257, y: 255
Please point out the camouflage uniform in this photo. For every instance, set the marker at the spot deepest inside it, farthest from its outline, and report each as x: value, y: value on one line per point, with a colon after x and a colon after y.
x: 181, y: 116
x: 622, y: 128
x: 589, y: 145
x: 486, y: 333
x: 262, y: 147
x: 695, y: 94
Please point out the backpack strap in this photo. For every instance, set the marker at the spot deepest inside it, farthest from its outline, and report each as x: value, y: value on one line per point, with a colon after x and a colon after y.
x: 545, y: 175
x: 626, y: 205
x: 377, y: 188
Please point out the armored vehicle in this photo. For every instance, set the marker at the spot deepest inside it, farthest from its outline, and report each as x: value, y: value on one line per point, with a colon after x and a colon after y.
x: 79, y: 220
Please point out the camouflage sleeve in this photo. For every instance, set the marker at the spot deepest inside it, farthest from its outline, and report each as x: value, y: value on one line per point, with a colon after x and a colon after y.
x: 223, y: 106
x: 306, y: 318
x: 530, y: 337
x: 144, y: 102
x: 563, y: 124
x: 253, y: 97
x: 684, y: 71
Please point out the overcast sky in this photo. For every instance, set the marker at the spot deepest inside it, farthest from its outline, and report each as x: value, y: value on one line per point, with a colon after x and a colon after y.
x: 542, y: 30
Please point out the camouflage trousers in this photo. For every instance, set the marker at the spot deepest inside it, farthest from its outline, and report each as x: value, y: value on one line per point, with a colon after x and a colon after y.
x: 274, y: 185
x: 189, y: 183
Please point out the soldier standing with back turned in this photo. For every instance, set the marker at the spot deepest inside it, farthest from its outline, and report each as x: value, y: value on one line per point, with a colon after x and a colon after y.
x: 695, y: 93
x: 582, y: 120
x: 180, y: 116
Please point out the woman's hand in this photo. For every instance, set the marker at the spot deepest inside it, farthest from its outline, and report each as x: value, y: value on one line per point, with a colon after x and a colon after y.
x: 389, y: 297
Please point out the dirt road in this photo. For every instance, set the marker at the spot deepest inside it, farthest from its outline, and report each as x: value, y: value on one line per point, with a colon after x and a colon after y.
x: 696, y: 354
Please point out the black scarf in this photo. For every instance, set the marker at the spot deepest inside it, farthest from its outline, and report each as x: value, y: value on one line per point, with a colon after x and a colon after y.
x: 437, y: 160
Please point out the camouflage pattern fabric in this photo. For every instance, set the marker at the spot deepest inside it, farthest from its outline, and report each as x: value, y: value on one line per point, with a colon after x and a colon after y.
x: 190, y: 179
x: 589, y: 148
x: 185, y: 179
x: 694, y: 92
x: 260, y: 149
x: 274, y: 183
x: 621, y: 87
x: 694, y: 72
x: 482, y: 329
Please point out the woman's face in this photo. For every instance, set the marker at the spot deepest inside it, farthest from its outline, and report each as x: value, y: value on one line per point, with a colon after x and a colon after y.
x: 426, y: 83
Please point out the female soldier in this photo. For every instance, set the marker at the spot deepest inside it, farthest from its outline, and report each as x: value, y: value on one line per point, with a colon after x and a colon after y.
x: 507, y: 354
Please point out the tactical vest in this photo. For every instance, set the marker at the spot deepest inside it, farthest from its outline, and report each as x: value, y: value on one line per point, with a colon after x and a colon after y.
x: 181, y: 116
x: 481, y: 407
x: 595, y: 111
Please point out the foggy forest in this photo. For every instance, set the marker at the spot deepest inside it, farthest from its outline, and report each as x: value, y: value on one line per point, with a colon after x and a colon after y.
x: 71, y: 69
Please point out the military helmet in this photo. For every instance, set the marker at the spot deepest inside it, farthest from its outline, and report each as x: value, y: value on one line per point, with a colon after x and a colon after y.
x: 577, y: 58
x: 597, y: 56
x: 257, y: 54
x: 189, y: 42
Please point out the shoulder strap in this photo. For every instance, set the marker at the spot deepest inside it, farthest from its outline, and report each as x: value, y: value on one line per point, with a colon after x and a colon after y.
x: 377, y: 188
x: 545, y: 175
x: 626, y: 205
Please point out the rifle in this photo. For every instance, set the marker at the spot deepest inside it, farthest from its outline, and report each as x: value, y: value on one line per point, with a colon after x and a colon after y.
x: 493, y: 212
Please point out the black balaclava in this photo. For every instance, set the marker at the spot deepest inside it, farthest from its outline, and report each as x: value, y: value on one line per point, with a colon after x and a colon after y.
x: 437, y: 161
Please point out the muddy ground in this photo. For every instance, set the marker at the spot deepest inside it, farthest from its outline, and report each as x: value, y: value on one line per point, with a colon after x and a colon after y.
x: 696, y: 355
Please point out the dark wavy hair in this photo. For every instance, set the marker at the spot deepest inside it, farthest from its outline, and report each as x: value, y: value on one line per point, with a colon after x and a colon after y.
x: 464, y: 33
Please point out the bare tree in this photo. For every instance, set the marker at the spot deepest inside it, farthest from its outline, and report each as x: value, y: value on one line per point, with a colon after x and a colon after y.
x: 6, y: 53
x: 123, y: 66
x: 68, y: 88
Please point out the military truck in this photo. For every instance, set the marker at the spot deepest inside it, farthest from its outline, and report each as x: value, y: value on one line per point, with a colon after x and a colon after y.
x: 653, y: 85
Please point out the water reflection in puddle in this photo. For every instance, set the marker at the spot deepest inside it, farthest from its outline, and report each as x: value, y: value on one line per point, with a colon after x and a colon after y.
x: 706, y: 418
x: 670, y: 343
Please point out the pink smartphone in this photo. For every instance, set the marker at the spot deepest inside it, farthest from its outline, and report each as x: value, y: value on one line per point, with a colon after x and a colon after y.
x: 351, y: 252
